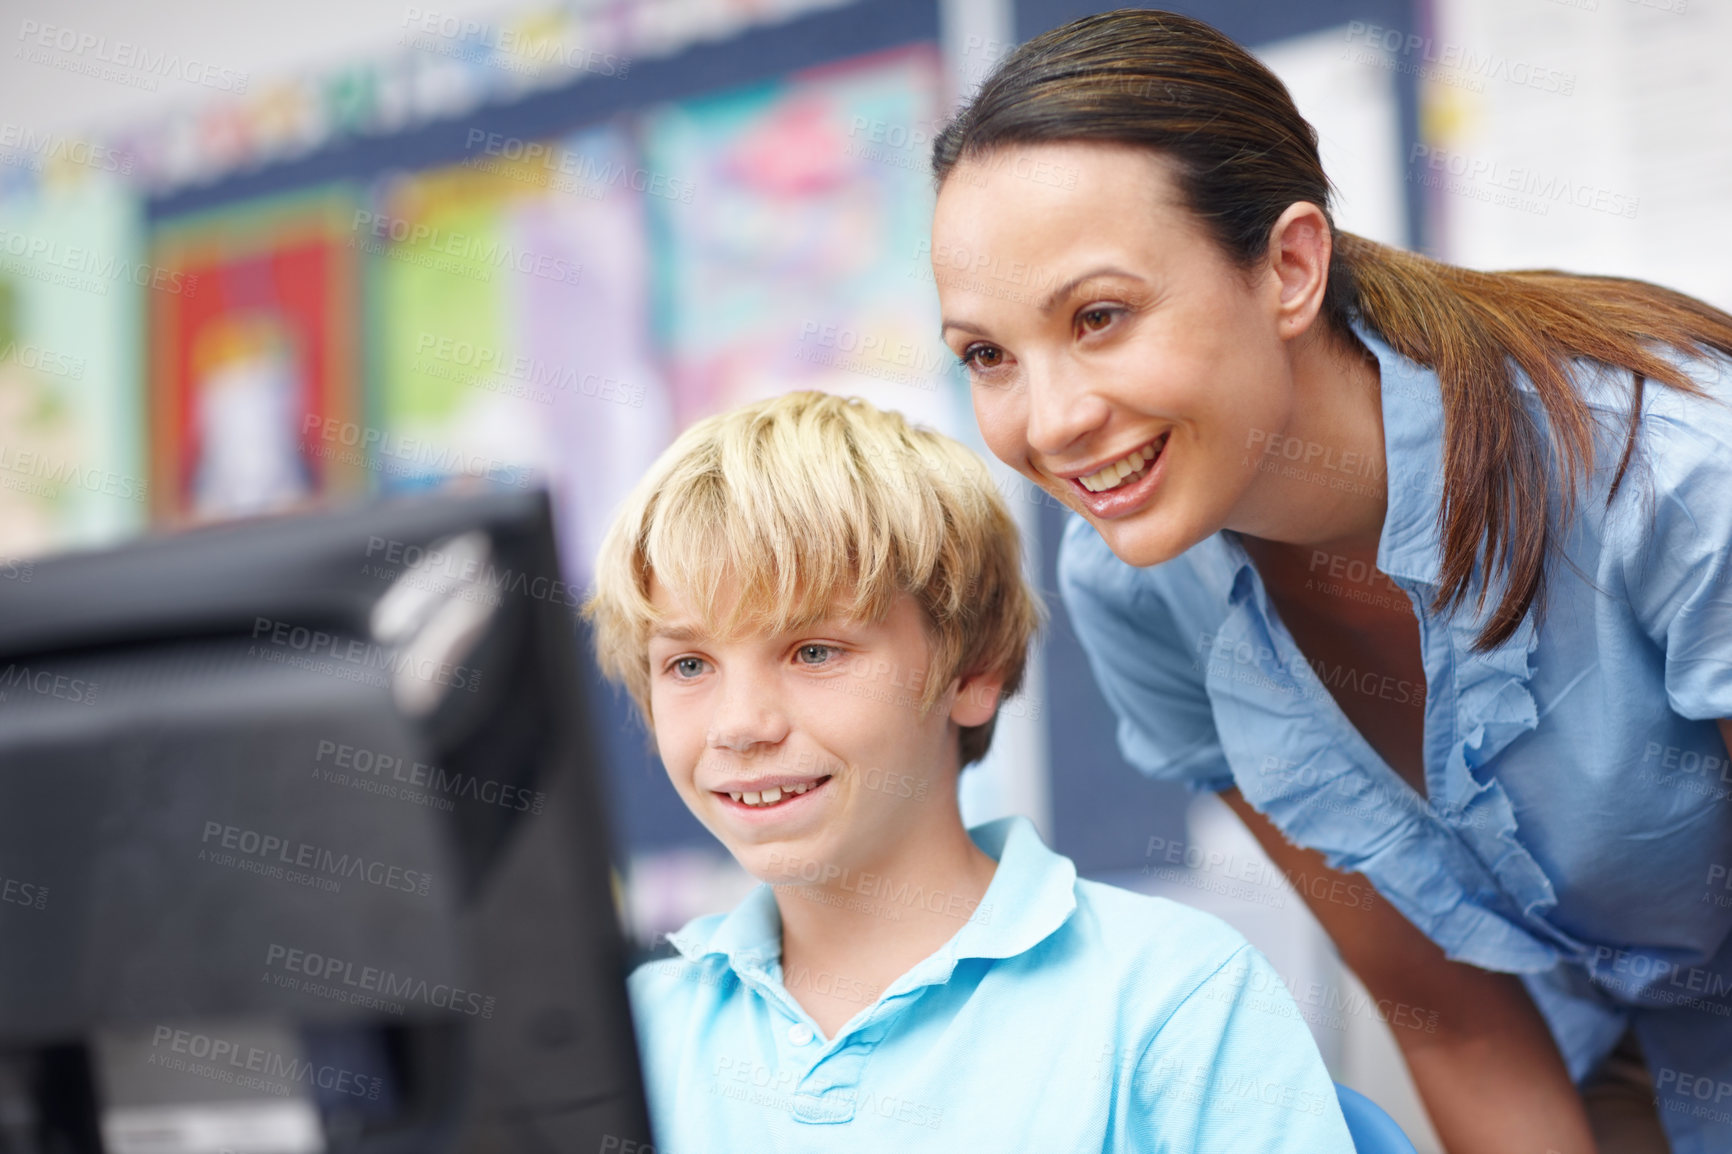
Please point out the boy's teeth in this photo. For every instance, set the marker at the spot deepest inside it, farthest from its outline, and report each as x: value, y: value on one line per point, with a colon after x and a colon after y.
x: 775, y: 794
x: 1116, y: 472
x: 769, y: 796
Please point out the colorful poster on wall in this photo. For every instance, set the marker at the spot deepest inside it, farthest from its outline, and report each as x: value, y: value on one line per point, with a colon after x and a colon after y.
x: 802, y: 258
x: 253, y: 379
x: 512, y: 343
x: 560, y: 309
x: 71, y: 459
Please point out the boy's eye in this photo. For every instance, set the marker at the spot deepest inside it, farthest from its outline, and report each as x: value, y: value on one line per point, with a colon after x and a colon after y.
x: 814, y: 654
x: 688, y: 667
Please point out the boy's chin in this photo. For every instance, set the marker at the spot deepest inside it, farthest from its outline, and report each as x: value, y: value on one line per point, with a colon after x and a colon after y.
x: 780, y: 865
x: 794, y: 862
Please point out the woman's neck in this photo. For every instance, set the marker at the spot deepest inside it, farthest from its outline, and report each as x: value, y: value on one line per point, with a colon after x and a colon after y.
x: 1335, y: 493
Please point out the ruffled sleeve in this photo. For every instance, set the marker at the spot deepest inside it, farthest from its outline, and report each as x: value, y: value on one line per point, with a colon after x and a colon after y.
x: 1144, y: 663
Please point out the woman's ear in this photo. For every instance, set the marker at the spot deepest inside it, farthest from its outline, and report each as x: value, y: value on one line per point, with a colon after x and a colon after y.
x: 977, y: 699
x: 1300, y: 245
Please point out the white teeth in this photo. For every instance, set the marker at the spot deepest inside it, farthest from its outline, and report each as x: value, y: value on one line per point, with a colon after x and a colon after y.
x: 1112, y: 475
x: 773, y: 795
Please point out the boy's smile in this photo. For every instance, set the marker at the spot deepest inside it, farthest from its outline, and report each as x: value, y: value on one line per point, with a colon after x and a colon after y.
x: 772, y: 793
x: 770, y: 739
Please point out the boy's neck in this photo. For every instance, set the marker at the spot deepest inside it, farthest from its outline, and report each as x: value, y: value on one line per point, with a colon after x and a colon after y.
x: 845, y: 941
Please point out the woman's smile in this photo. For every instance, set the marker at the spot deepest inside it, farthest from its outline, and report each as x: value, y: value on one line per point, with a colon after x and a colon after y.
x: 1125, y: 485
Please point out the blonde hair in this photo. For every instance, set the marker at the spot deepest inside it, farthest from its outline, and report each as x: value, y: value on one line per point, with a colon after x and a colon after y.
x: 812, y: 505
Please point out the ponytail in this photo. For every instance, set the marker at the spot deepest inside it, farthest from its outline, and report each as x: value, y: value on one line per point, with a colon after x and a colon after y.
x: 1476, y: 330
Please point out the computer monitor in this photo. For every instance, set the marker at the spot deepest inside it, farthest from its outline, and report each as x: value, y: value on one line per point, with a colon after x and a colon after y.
x: 303, y: 845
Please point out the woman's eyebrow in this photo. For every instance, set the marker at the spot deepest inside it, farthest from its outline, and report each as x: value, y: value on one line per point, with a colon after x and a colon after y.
x: 946, y: 324
x: 1060, y: 294
x: 1052, y: 300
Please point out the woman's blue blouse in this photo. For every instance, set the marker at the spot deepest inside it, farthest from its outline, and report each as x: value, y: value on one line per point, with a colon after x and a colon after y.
x: 1577, y: 823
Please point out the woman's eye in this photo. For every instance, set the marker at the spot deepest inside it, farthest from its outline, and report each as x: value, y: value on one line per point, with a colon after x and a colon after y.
x: 688, y: 667
x: 981, y: 357
x: 1094, y: 320
x: 815, y: 654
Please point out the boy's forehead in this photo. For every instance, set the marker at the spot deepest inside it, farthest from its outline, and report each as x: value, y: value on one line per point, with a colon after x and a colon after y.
x: 677, y: 630
x: 678, y: 621
x: 684, y: 630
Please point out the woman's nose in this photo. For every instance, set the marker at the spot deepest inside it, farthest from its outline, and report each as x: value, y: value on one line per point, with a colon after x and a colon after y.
x: 1062, y: 408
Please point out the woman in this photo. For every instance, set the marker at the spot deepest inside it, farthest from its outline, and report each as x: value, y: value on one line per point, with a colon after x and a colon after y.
x: 1425, y: 570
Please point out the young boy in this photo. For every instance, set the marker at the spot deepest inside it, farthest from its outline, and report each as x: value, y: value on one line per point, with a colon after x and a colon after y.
x: 818, y: 607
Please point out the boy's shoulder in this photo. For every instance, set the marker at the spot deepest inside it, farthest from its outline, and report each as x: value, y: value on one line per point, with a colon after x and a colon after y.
x: 699, y: 957
x: 670, y: 994
x: 659, y: 978
x: 1163, y: 946
x: 1144, y: 954
x: 681, y: 955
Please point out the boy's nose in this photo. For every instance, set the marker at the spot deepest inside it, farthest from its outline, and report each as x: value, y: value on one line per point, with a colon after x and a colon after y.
x: 745, y: 717
x: 739, y: 738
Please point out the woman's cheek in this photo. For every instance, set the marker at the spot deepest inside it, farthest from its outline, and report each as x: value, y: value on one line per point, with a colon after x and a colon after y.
x: 1002, y: 426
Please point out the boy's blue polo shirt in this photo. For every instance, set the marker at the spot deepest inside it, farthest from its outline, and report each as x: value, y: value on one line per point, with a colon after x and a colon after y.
x: 1063, y: 1015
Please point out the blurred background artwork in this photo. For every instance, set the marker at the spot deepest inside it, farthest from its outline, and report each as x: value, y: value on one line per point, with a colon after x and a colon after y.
x: 71, y: 397
x: 512, y: 341
x: 792, y: 270
x: 263, y: 259
x: 252, y: 348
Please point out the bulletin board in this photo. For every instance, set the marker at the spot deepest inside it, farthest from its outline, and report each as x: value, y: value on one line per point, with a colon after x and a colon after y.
x: 488, y: 314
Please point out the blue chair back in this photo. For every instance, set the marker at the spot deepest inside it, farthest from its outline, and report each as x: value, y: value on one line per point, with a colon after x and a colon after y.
x: 1373, y: 1131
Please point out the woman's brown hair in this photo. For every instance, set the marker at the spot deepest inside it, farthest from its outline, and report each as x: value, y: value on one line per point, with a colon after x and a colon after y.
x: 1241, y: 155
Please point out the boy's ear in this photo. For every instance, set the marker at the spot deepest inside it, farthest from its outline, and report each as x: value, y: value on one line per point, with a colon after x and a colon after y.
x: 977, y: 699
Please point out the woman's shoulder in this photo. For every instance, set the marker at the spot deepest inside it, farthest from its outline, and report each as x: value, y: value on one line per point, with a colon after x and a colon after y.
x: 1090, y: 572
x: 1670, y: 418
x: 1682, y: 463
x: 1696, y: 429
x: 1665, y: 534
